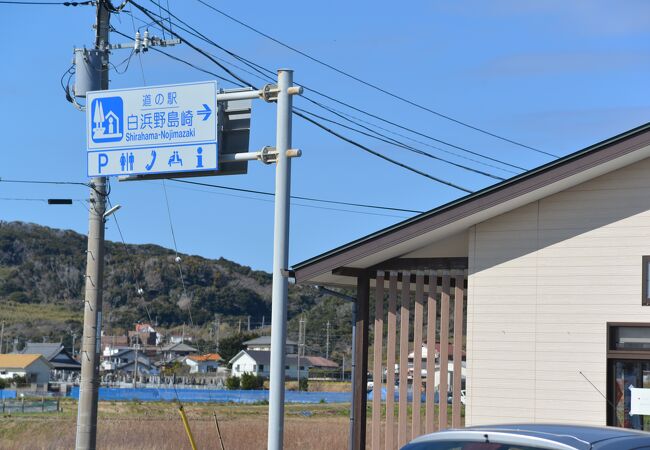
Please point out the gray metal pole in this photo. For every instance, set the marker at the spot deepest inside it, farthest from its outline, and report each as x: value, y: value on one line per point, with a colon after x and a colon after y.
x: 353, y: 367
x: 280, y: 262
x: 90, y: 341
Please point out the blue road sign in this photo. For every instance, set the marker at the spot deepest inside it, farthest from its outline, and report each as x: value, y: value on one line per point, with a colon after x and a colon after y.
x: 152, y: 130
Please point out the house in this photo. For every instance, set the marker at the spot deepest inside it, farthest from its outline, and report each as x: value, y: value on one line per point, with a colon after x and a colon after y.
x: 258, y: 362
x: 263, y: 344
x: 553, y: 267
x: 64, y: 366
x: 35, y: 368
x: 176, y: 350
x: 203, y: 363
x: 123, y: 359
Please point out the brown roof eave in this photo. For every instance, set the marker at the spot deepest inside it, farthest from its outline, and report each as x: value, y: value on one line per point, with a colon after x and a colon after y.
x: 491, y: 196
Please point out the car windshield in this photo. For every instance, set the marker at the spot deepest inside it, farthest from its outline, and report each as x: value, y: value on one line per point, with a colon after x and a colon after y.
x: 465, y: 445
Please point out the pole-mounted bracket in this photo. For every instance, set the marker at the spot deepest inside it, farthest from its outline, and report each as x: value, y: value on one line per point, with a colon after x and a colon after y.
x: 269, y: 93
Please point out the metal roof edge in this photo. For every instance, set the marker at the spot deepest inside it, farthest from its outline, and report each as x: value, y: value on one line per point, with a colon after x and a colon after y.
x: 552, y: 165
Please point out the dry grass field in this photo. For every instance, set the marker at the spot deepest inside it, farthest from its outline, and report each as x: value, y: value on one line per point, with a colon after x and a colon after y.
x: 148, y: 426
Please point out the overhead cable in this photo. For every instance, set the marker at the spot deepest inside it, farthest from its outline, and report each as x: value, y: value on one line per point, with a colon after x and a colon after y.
x: 265, y: 75
x: 151, y: 15
x: 297, y: 197
x: 375, y: 87
x: 404, y: 146
x: 379, y: 155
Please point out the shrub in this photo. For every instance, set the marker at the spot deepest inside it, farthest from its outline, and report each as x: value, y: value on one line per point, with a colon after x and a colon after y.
x: 250, y: 381
x: 232, y: 383
x: 303, y: 385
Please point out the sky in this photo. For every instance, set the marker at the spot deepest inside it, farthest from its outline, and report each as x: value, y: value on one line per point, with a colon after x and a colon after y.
x: 555, y: 75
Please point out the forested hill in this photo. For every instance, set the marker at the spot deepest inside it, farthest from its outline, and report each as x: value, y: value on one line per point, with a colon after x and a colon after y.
x: 42, y: 274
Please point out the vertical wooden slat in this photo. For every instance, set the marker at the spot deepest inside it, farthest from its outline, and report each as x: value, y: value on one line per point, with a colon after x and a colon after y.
x: 458, y: 349
x: 432, y: 317
x: 444, y: 351
x: 390, y: 361
x: 376, y: 364
x: 418, y: 320
x: 360, y: 385
x: 404, y: 325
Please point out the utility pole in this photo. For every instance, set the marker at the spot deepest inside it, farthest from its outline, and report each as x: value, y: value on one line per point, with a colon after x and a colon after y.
x: 239, y: 327
x: 89, y: 383
x: 135, y: 369
x: 300, y: 334
x: 217, y: 332
x: 74, y: 339
x: 2, y: 335
x: 280, y: 261
x: 249, y: 324
x: 327, y: 342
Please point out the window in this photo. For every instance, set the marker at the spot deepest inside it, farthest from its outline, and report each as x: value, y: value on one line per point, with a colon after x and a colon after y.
x: 261, y: 367
x: 645, y: 289
x: 628, y: 365
x: 237, y: 367
x: 286, y: 367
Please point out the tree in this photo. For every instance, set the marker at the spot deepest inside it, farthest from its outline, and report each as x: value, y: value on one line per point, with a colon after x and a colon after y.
x: 251, y: 381
x: 231, y: 345
x: 232, y: 383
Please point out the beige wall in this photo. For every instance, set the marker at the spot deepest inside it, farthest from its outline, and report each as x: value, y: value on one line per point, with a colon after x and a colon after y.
x: 544, y: 281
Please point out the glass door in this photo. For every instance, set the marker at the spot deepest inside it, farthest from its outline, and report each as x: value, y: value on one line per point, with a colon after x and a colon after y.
x: 623, y: 374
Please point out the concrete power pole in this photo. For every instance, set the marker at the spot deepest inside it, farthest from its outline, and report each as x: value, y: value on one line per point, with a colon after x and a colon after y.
x: 327, y: 342
x: 2, y: 335
x: 90, y: 342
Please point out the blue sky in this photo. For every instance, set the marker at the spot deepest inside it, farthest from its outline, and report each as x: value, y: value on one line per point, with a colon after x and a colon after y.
x: 555, y: 75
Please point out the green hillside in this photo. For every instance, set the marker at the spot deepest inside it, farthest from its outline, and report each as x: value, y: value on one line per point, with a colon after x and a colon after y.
x: 42, y: 274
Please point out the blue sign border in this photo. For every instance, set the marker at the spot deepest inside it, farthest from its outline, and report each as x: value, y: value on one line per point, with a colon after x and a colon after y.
x: 112, y: 91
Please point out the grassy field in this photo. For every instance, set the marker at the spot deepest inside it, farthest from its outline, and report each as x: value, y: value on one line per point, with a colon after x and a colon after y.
x: 132, y: 425
x: 151, y: 425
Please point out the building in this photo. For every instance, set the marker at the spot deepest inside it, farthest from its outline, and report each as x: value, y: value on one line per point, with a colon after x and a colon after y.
x: 64, y: 366
x: 263, y: 344
x: 203, y: 363
x: 177, y: 350
x: 35, y: 368
x: 258, y: 362
x: 554, y: 267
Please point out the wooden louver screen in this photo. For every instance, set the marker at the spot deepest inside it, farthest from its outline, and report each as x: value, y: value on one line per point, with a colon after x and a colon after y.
x: 432, y: 298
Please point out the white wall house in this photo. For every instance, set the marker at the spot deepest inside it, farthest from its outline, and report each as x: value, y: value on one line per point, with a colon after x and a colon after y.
x: 203, y: 363
x: 557, y: 284
x: 35, y: 368
x: 259, y: 363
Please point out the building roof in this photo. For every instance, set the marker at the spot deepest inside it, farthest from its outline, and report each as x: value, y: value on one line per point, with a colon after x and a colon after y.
x: 456, y: 216
x: 318, y: 361
x: 264, y: 358
x: 48, y: 349
x: 206, y: 357
x: 20, y: 361
x: 266, y: 340
x: 55, y: 353
x: 178, y: 347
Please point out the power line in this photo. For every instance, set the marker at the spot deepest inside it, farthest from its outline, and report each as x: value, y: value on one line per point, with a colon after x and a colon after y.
x: 404, y: 146
x: 374, y: 86
x: 373, y: 152
x: 350, y: 118
x: 319, y: 125
x: 297, y: 197
x: 264, y: 71
x: 148, y: 13
x: 10, y: 2
x: 379, y: 155
x: 385, y: 138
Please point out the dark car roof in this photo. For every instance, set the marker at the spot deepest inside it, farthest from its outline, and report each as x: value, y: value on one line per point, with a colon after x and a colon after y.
x: 578, y: 436
x: 567, y: 434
